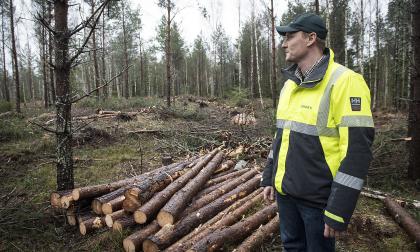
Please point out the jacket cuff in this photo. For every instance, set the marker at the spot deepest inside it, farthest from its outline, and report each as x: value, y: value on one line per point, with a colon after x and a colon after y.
x: 334, y: 221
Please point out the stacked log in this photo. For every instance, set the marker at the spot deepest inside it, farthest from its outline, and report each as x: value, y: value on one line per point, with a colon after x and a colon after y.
x: 174, y: 206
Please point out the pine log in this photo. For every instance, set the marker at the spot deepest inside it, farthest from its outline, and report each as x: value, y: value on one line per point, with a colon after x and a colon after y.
x: 174, y: 207
x: 75, y: 209
x: 88, y: 225
x: 98, y: 190
x: 134, y: 242
x: 262, y: 234
x: 148, y: 211
x: 236, y: 232
x: 210, y: 189
x: 99, y: 201
x: 231, y: 175
x: 71, y: 216
x: 111, y: 218
x: 217, y: 175
x: 225, y: 218
x: 228, y: 186
x: 375, y: 194
x: 171, y: 233
x: 226, y: 166
x: 123, y: 223
x: 113, y: 205
x: 404, y: 219
x: 55, y: 197
x: 142, y: 191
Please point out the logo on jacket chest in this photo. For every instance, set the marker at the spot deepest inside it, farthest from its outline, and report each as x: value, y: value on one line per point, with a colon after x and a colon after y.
x: 356, y: 103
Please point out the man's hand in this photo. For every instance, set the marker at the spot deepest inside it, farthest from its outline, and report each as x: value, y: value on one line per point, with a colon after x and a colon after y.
x: 330, y: 232
x: 268, y: 193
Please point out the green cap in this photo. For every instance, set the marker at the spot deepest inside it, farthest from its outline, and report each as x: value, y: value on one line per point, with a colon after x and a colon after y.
x: 307, y: 23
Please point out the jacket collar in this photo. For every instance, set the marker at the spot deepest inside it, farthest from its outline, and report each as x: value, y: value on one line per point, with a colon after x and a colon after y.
x: 317, y: 74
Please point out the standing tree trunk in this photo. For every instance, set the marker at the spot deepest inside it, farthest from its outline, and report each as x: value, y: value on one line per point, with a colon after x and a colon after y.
x: 5, y: 87
x: 105, y: 91
x: 168, y: 53
x: 239, y: 48
x: 362, y: 40
x: 316, y: 6
x: 95, y: 58
x: 14, y: 57
x: 126, y: 86
x: 50, y: 53
x: 64, y: 161
x: 337, y: 29
x: 44, y: 60
x: 273, y: 59
x: 30, y: 81
x: 414, y: 127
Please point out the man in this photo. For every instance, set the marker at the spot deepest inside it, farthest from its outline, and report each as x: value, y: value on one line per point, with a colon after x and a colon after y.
x: 321, y: 151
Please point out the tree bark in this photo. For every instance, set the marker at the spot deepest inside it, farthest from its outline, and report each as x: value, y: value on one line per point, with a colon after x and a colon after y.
x: 113, y: 205
x: 111, y: 218
x: 95, y: 58
x: 3, y: 39
x: 227, y: 187
x: 168, y: 54
x: 150, y: 208
x: 91, y: 224
x: 126, y: 86
x: 134, y: 242
x: 98, y: 190
x: 236, y: 232
x: 414, y: 117
x: 224, y: 218
x: 171, y: 233
x: 402, y: 217
x: 143, y: 191
x: 14, y: 56
x: 262, y: 234
x: 228, y: 176
x: 123, y: 223
x: 105, y: 91
x: 50, y: 53
x: 174, y: 207
x: 273, y: 58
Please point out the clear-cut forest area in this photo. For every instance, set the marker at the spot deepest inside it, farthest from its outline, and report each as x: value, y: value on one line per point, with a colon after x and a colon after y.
x: 136, y: 125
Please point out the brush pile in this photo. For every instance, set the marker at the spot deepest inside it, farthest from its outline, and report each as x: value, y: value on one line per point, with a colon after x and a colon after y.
x: 200, y: 204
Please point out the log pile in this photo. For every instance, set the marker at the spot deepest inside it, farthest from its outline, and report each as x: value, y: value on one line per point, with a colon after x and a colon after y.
x: 176, y: 207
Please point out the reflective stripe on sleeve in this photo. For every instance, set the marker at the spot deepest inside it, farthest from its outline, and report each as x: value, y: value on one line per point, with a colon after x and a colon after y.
x: 333, y: 216
x: 357, y: 121
x: 307, y: 128
x: 349, y: 181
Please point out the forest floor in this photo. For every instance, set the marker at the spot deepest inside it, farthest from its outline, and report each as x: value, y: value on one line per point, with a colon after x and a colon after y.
x: 114, y: 148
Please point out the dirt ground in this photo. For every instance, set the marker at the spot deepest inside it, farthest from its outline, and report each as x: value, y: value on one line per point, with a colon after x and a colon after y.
x: 108, y: 149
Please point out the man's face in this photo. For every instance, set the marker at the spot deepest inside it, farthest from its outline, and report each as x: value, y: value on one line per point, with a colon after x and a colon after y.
x: 295, y: 46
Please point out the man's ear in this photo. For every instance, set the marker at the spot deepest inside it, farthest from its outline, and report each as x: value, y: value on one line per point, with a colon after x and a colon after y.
x: 311, y: 39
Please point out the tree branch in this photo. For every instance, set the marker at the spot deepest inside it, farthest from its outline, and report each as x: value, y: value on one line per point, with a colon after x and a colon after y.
x: 80, y: 50
x: 104, y: 85
x: 43, y: 127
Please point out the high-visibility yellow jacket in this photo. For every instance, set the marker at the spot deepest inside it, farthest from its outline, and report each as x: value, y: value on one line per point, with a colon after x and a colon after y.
x: 321, y: 151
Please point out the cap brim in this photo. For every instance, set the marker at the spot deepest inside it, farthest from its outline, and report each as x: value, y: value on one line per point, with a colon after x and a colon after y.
x: 282, y: 30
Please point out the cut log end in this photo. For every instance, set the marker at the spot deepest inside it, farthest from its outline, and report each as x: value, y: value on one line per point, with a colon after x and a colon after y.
x: 129, y: 245
x: 55, y: 199
x: 97, y: 206
x: 71, y: 219
x: 82, y: 228
x: 109, y: 221
x: 164, y: 218
x: 117, y: 227
x: 66, y: 201
x: 150, y: 246
x: 107, y: 208
x: 76, y: 194
x: 140, y: 217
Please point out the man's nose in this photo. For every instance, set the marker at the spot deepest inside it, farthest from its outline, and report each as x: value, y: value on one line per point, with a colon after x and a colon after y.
x: 284, y: 44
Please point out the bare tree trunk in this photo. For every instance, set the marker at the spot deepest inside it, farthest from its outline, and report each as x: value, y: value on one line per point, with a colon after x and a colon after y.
x: 50, y: 53
x: 5, y: 87
x: 239, y: 47
x: 65, y: 178
x: 105, y: 91
x: 30, y: 81
x: 316, y: 7
x: 14, y: 57
x: 95, y: 58
x: 126, y: 88
x: 414, y: 127
x: 44, y: 60
x: 168, y: 54
x: 273, y: 59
